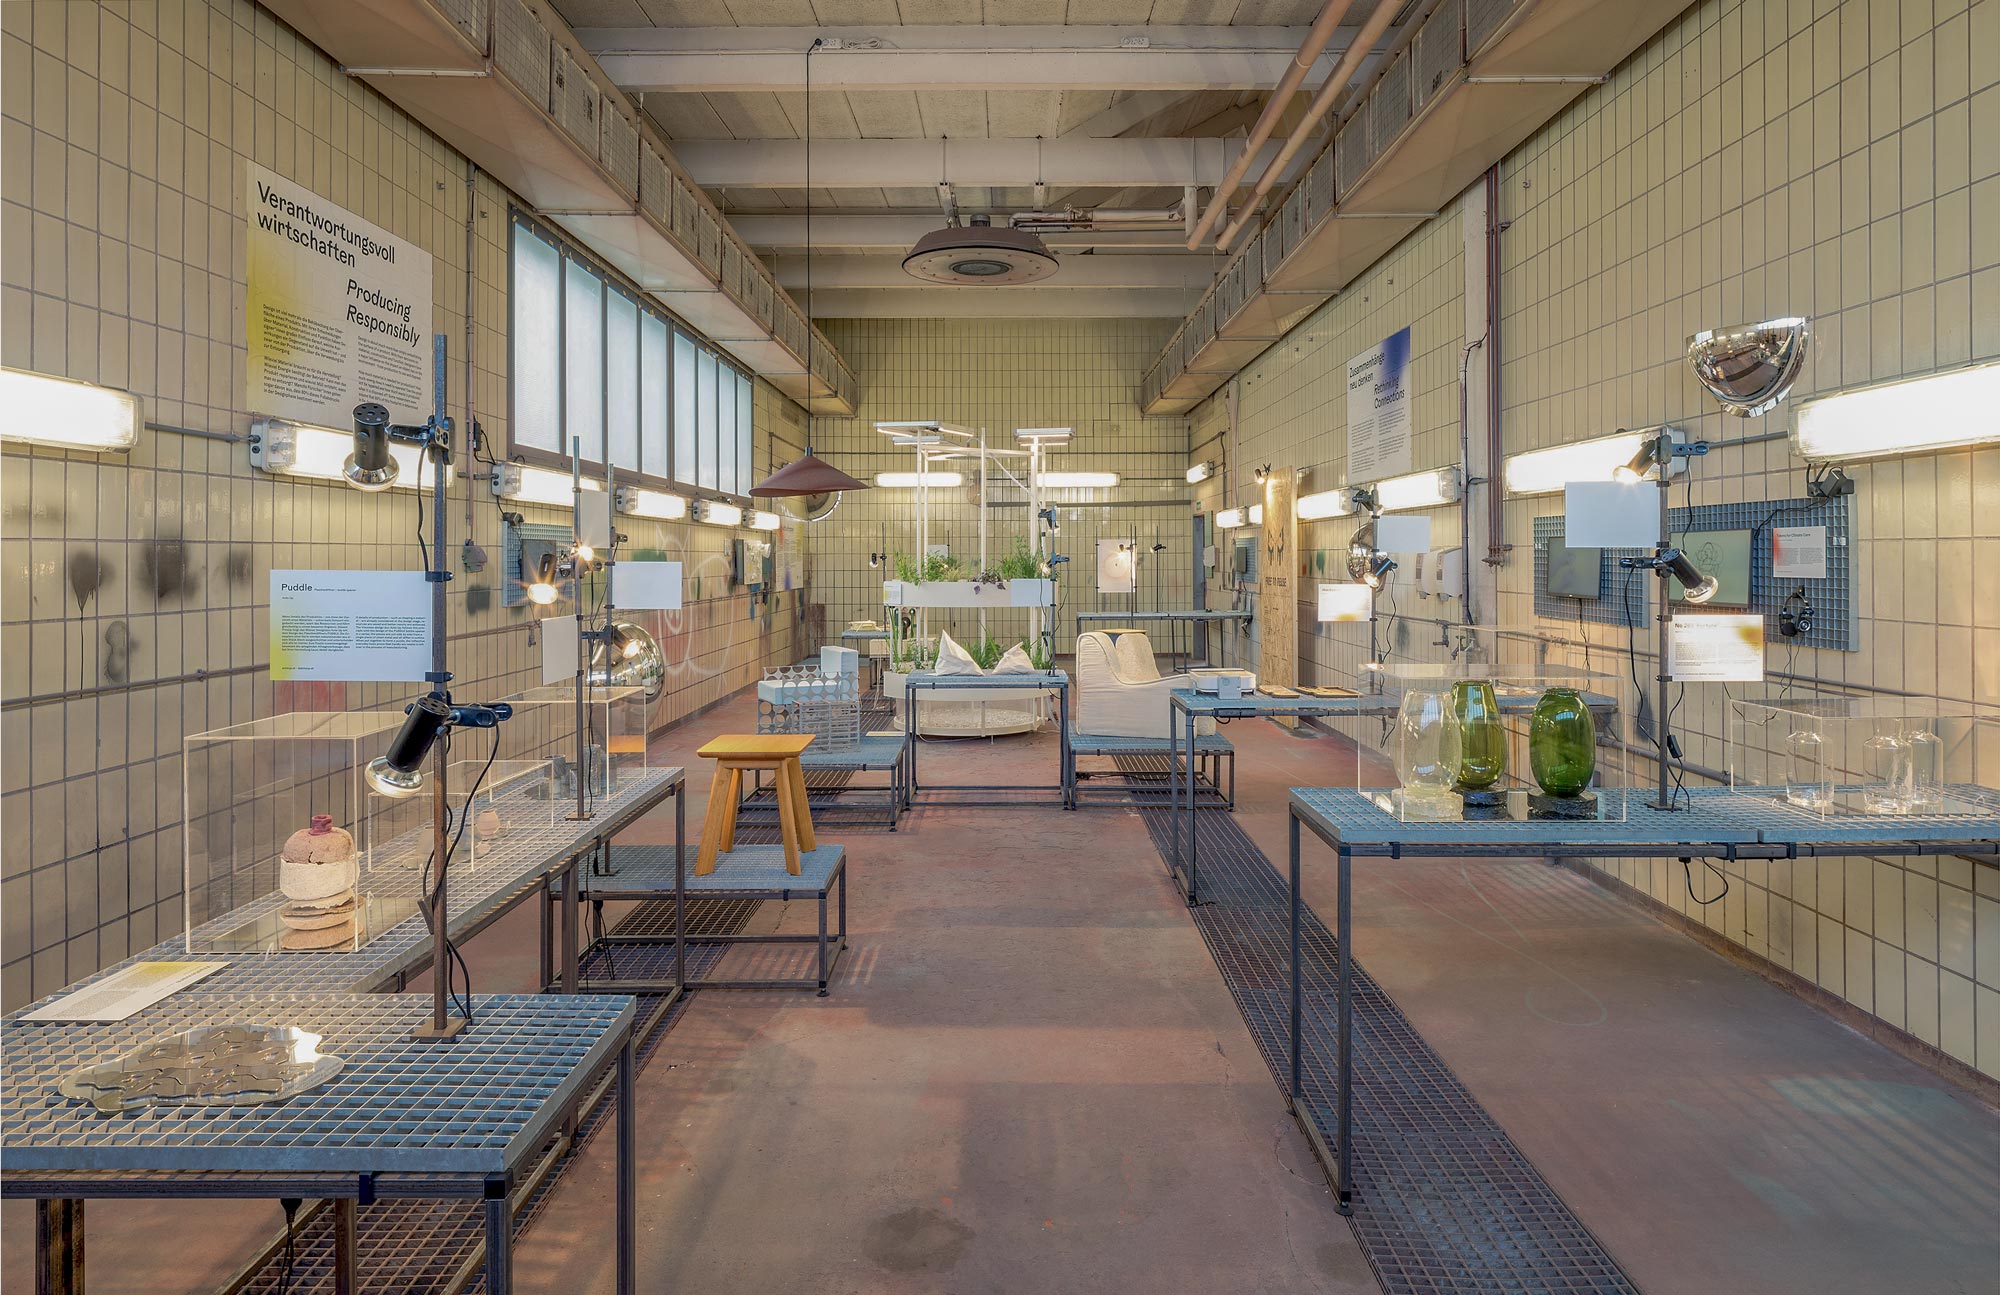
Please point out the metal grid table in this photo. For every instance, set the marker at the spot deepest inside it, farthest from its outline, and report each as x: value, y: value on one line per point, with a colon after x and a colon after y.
x: 1055, y: 681
x: 403, y: 1118
x: 1190, y: 706
x: 873, y: 754
x: 1211, y: 753
x: 1717, y: 822
x: 876, y: 664
x: 649, y: 872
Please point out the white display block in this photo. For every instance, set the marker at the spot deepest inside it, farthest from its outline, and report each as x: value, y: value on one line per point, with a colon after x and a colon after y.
x: 839, y: 661
x: 647, y: 586
x: 969, y: 593
x: 1403, y: 534
x: 1611, y: 515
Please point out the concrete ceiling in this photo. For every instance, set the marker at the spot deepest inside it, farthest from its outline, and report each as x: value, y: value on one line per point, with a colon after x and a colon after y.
x: 937, y: 82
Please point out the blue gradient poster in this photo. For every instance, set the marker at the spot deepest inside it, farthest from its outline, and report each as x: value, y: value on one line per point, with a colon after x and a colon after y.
x: 1378, y: 411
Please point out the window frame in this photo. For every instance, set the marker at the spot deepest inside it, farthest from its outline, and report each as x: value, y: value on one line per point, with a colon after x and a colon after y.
x: 663, y: 475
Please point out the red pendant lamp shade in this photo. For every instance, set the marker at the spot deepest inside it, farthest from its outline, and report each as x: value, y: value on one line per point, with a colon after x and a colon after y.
x: 810, y: 475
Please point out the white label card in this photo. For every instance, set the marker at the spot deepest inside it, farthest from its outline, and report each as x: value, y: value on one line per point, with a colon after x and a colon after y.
x: 122, y: 993
x: 1346, y: 603
x: 1716, y: 649
x: 560, y: 650
x: 1798, y: 553
x: 647, y: 586
x: 350, y: 625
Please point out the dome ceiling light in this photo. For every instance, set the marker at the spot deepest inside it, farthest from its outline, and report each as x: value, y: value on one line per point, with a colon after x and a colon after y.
x: 978, y: 255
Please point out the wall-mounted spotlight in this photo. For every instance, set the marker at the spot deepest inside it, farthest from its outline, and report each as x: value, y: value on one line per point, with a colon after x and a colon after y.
x: 1365, y: 500
x: 542, y: 588
x: 1050, y: 519
x: 1695, y: 587
x: 1376, y: 573
x: 1200, y: 472
x: 1261, y: 475
x: 875, y: 560
x: 1656, y: 455
x: 370, y: 467
x: 285, y: 448
x: 399, y: 772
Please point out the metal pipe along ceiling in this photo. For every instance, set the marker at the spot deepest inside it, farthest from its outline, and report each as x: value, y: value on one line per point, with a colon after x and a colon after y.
x: 1343, y: 72
x: 1274, y: 107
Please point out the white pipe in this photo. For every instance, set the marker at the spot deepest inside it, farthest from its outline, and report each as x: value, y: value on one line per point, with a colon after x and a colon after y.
x: 1378, y: 22
x: 1274, y: 107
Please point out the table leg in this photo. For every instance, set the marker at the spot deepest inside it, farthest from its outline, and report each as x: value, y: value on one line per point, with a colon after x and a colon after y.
x: 570, y: 923
x: 628, y: 1182
x: 910, y: 739
x: 788, y: 822
x: 1194, y: 824
x: 680, y: 920
x: 548, y: 950
x: 822, y: 944
x: 346, y: 1248
x: 680, y: 819
x: 1062, y: 753
x: 734, y: 803
x: 1292, y: 1087
x: 59, y: 1247
x: 1343, y: 949
x: 1173, y: 791
x: 796, y: 772
x: 499, y: 1239
x: 711, y: 828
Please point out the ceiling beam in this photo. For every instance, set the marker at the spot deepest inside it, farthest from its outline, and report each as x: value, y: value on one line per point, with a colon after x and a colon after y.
x: 700, y: 60
x: 1186, y: 272
x: 1125, y: 114
x: 923, y: 163
x: 1027, y: 301
x: 897, y: 231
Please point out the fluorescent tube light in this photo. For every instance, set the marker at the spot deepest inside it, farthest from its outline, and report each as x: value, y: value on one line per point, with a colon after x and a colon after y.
x: 1327, y: 503
x: 1200, y: 472
x: 1076, y: 480
x: 763, y: 521
x: 656, y: 504
x: 1547, y: 471
x: 717, y: 513
x: 45, y: 410
x: 1229, y: 519
x: 1045, y: 435
x: 285, y: 448
x: 1939, y: 411
x: 1429, y: 489
x: 908, y: 480
x: 1256, y: 514
x: 528, y: 485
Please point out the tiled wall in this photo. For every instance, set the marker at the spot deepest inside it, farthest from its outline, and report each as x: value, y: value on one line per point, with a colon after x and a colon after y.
x: 1833, y: 159
x: 134, y: 586
x: 1000, y: 375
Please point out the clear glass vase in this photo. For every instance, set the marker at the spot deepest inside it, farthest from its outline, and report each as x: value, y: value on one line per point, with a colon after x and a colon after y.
x: 1427, y: 753
x: 1890, y: 771
x: 1806, y: 784
x: 1926, y: 769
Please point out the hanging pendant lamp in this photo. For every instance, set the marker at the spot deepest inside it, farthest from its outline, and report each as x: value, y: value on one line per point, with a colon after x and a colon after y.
x: 809, y: 475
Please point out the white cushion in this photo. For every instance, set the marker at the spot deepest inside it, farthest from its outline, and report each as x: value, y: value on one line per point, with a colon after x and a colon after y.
x: 1014, y: 661
x: 953, y: 659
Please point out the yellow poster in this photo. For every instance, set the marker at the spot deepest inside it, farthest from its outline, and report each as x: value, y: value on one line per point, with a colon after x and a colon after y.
x: 338, y: 311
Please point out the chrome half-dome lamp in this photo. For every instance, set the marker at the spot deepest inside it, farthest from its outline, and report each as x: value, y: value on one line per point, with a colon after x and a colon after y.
x: 979, y: 255
x: 1749, y: 368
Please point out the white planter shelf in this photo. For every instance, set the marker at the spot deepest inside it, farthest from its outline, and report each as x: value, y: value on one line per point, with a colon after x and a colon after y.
x: 968, y: 593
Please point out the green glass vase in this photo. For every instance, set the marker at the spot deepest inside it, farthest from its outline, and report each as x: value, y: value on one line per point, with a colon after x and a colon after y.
x: 1482, y: 742
x: 1562, y: 742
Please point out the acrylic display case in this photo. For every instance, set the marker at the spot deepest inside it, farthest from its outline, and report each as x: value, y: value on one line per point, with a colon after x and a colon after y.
x: 280, y: 838
x: 616, y: 721
x: 511, y: 797
x: 1866, y: 756
x: 1472, y: 741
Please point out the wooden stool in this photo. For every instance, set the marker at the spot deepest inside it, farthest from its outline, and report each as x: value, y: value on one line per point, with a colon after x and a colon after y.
x: 734, y: 756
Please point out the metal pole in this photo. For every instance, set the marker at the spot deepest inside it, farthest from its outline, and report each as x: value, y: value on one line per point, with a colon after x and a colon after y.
x: 1343, y: 949
x: 1663, y: 801
x: 628, y: 1182
x: 1298, y: 995
x: 442, y: 1025
x: 583, y: 666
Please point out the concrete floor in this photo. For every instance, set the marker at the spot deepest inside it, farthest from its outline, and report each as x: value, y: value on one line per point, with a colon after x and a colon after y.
x: 1030, y: 1077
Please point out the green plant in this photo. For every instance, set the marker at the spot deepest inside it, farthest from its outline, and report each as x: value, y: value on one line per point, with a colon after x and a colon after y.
x: 1021, y: 563
x: 1039, y: 654
x: 942, y: 566
x: 906, y: 568
x: 987, y: 651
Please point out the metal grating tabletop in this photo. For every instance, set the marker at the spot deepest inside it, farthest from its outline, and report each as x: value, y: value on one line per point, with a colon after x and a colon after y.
x: 1445, y: 1202
x: 869, y: 755
x: 1716, y: 816
x: 1260, y: 705
x: 1038, y: 679
x: 514, y: 867
x: 1092, y: 744
x: 476, y: 1105
x: 746, y: 870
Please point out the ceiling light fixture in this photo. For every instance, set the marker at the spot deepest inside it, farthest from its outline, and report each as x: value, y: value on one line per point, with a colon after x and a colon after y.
x: 528, y: 485
x: 763, y: 521
x: 656, y: 504
x: 1431, y: 489
x: 285, y: 448
x: 1229, y: 519
x: 1076, y: 480
x: 1200, y: 472
x: 1327, y: 503
x: 47, y: 410
x: 910, y: 480
x: 715, y: 512
x: 978, y: 255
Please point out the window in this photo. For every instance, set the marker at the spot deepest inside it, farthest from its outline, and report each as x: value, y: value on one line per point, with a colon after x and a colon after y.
x: 593, y: 363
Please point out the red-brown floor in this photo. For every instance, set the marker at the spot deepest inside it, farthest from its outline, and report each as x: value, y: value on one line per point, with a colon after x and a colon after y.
x: 1030, y: 1077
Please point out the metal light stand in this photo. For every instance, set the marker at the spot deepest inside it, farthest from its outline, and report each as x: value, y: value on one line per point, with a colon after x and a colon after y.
x: 434, y: 439
x: 583, y: 811
x: 1665, y: 451
x: 591, y: 640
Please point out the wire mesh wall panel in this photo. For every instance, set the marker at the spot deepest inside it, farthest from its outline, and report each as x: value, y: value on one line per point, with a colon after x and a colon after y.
x: 1483, y: 18
x: 656, y: 189
x: 1389, y: 109
x: 710, y: 234
x: 1319, y: 190
x: 521, y: 49
x: 1438, y: 50
x: 573, y: 99
x: 618, y: 149
x: 1352, y: 152
x: 469, y: 16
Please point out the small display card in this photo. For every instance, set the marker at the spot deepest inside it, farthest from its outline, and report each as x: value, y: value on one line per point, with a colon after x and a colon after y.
x: 350, y: 625
x: 122, y: 993
x: 1346, y: 602
x: 1798, y: 552
x: 1716, y: 649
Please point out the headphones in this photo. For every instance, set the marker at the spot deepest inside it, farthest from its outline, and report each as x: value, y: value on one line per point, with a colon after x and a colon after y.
x: 1795, y: 617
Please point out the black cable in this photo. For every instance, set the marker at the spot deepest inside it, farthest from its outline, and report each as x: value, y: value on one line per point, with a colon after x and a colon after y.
x: 290, y: 1206
x: 423, y: 549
